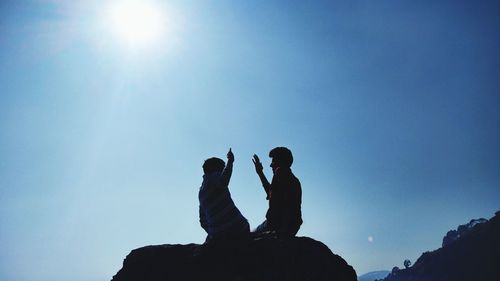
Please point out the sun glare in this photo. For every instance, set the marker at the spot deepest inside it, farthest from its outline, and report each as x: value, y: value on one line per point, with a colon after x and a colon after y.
x: 137, y: 23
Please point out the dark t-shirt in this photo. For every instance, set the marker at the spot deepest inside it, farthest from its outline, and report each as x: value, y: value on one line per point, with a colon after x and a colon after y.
x: 285, y: 199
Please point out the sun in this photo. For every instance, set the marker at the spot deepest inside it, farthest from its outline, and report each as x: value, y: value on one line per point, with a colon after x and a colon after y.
x: 136, y: 23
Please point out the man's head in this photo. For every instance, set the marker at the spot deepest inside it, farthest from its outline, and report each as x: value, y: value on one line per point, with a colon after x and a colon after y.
x: 281, y: 158
x: 213, y: 164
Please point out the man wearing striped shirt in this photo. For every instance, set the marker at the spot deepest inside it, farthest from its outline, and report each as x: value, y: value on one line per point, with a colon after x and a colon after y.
x: 218, y: 214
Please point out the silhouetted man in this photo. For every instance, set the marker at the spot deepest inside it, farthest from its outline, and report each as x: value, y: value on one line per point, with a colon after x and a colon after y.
x: 284, y: 193
x: 218, y: 215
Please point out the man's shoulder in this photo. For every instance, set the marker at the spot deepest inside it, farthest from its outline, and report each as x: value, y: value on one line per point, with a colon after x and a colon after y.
x: 290, y: 176
x: 294, y: 181
x: 210, y: 181
x: 286, y: 177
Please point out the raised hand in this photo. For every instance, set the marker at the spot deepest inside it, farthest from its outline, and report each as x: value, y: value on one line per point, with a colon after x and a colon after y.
x: 259, y: 169
x: 230, y: 156
x: 257, y: 163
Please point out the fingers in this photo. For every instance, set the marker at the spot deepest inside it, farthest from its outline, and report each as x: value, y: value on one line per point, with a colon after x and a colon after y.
x: 257, y: 164
x: 230, y: 155
x: 256, y: 158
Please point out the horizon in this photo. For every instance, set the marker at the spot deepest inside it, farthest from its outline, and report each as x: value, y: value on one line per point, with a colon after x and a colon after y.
x: 390, y: 110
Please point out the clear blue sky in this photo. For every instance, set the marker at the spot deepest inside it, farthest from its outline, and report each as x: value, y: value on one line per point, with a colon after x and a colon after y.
x: 390, y: 107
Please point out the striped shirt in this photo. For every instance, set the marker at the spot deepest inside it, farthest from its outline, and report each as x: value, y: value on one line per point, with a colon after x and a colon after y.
x: 218, y: 213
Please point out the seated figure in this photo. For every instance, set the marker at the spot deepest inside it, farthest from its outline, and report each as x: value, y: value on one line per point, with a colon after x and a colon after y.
x: 219, y: 216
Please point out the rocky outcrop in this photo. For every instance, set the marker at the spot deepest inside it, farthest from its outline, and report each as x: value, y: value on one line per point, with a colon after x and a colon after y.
x: 264, y: 258
x: 475, y: 255
x: 374, y: 275
x: 461, y: 231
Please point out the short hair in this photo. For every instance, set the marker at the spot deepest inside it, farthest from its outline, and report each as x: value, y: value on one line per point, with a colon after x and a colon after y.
x: 282, y: 156
x: 213, y: 164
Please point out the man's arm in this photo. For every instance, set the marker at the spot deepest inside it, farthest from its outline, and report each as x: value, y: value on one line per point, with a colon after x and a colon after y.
x: 260, y: 172
x: 228, y: 170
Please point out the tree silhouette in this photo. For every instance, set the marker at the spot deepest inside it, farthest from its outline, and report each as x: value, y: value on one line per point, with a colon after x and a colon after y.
x: 407, y: 263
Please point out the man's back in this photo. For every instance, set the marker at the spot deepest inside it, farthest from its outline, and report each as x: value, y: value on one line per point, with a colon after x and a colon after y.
x: 218, y: 214
x: 285, y: 201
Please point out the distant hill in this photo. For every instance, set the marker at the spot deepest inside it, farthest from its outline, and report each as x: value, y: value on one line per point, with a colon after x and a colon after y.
x: 473, y: 254
x: 374, y: 275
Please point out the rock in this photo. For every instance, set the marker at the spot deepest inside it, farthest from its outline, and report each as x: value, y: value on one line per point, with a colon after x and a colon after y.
x: 264, y: 258
x: 374, y: 275
x: 475, y: 255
